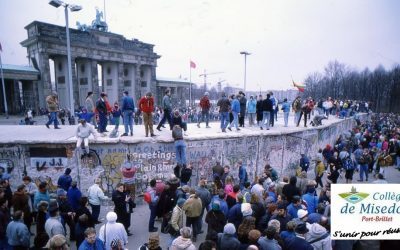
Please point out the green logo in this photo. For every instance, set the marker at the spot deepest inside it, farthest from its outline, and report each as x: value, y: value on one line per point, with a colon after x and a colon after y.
x: 354, y: 196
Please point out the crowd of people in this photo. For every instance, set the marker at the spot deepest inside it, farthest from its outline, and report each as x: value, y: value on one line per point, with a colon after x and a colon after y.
x: 269, y: 212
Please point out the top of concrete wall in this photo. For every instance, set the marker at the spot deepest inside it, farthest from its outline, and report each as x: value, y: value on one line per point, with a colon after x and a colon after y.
x: 12, y: 134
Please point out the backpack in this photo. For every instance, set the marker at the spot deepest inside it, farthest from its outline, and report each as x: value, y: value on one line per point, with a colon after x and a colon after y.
x: 348, y: 164
x: 147, y: 197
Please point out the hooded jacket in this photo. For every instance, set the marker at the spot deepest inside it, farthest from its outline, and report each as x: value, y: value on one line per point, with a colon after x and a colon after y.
x: 193, y: 206
x: 112, y: 230
x: 316, y: 231
x: 181, y: 243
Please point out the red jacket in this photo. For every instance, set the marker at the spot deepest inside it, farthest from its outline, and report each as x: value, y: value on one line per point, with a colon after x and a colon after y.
x: 205, y: 103
x: 146, y: 105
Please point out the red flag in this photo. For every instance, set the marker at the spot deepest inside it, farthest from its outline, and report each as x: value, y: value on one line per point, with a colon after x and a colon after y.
x: 192, y: 64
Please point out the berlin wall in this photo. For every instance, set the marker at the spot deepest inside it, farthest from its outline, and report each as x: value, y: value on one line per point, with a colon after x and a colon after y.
x: 46, y: 162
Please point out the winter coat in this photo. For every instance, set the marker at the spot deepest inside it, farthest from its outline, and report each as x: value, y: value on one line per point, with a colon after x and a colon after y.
x: 4, y: 220
x: 20, y: 201
x: 127, y: 104
x: 251, y: 106
x: 177, y: 218
x: 98, y: 245
x: 267, y: 244
x: 96, y: 195
x: 205, y: 103
x: 166, y: 103
x: 204, y: 195
x: 223, y: 104
x: 290, y: 190
x: 53, y: 226
x: 267, y: 105
x: 112, y: 230
x: 52, y: 103
x: 216, y: 221
x: 85, y: 131
x: 285, y: 107
x: 146, y: 105
x: 181, y: 243
x: 298, y: 243
x: 242, y: 102
x: 235, y: 215
x: 292, y: 210
x: 18, y: 234
x: 235, y: 106
x: 193, y: 206
x: 73, y: 196
x: 64, y: 181
x: 227, y: 241
x: 39, y: 196
x: 316, y: 231
x: 312, y: 202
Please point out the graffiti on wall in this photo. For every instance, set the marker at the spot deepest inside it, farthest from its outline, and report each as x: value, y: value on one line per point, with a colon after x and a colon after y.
x: 157, y: 160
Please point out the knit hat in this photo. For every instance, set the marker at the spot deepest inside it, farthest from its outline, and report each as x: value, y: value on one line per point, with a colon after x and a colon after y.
x: 229, y: 229
x: 301, y: 213
x: 111, y: 217
x: 246, y: 209
x: 180, y: 202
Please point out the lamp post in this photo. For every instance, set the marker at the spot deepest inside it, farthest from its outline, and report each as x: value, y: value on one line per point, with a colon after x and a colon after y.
x: 73, y: 8
x: 245, y: 53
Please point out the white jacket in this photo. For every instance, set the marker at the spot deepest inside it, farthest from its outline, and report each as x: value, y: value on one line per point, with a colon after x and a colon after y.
x: 112, y: 230
x: 85, y: 131
x: 96, y: 195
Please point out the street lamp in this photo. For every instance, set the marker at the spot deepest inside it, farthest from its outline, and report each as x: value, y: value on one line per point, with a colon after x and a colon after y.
x: 245, y: 53
x: 73, y: 8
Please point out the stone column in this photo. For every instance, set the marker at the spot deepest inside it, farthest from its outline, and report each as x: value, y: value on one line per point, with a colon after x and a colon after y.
x: 153, y: 80
x: 138, y: 82
x: 95, y: 79
x: 120, y: 80
x: 44, y: 87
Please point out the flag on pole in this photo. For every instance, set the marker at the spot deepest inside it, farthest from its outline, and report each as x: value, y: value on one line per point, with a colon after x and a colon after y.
x: 300, y: 87
x: 192, y: 64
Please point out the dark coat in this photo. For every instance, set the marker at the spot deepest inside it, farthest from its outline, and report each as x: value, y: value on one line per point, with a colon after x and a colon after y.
x: 227, y: 241
x: 120, y: 207
x: 297, y: 243
x: 267, y: 105
x: 216, y: 221
x: 84, y: 210
x: 21, y: 202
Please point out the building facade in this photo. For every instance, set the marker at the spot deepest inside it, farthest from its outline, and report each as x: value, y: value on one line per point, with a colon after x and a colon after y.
x: 101, y: 61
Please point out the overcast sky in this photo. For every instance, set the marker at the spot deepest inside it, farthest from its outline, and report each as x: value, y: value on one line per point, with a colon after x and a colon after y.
x: 284, y: 37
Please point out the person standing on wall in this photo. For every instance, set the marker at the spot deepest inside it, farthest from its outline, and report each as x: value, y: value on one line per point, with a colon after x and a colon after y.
x: 251, y: 110
x: 90, y: 108
x: 102, y: 110
x: 128, y: 109
x: 167, y: 107
x: 146, y: 106
x: 224, y: 106
x: 205, y: 106
x: 242, y: 101
x: 52, y: 106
